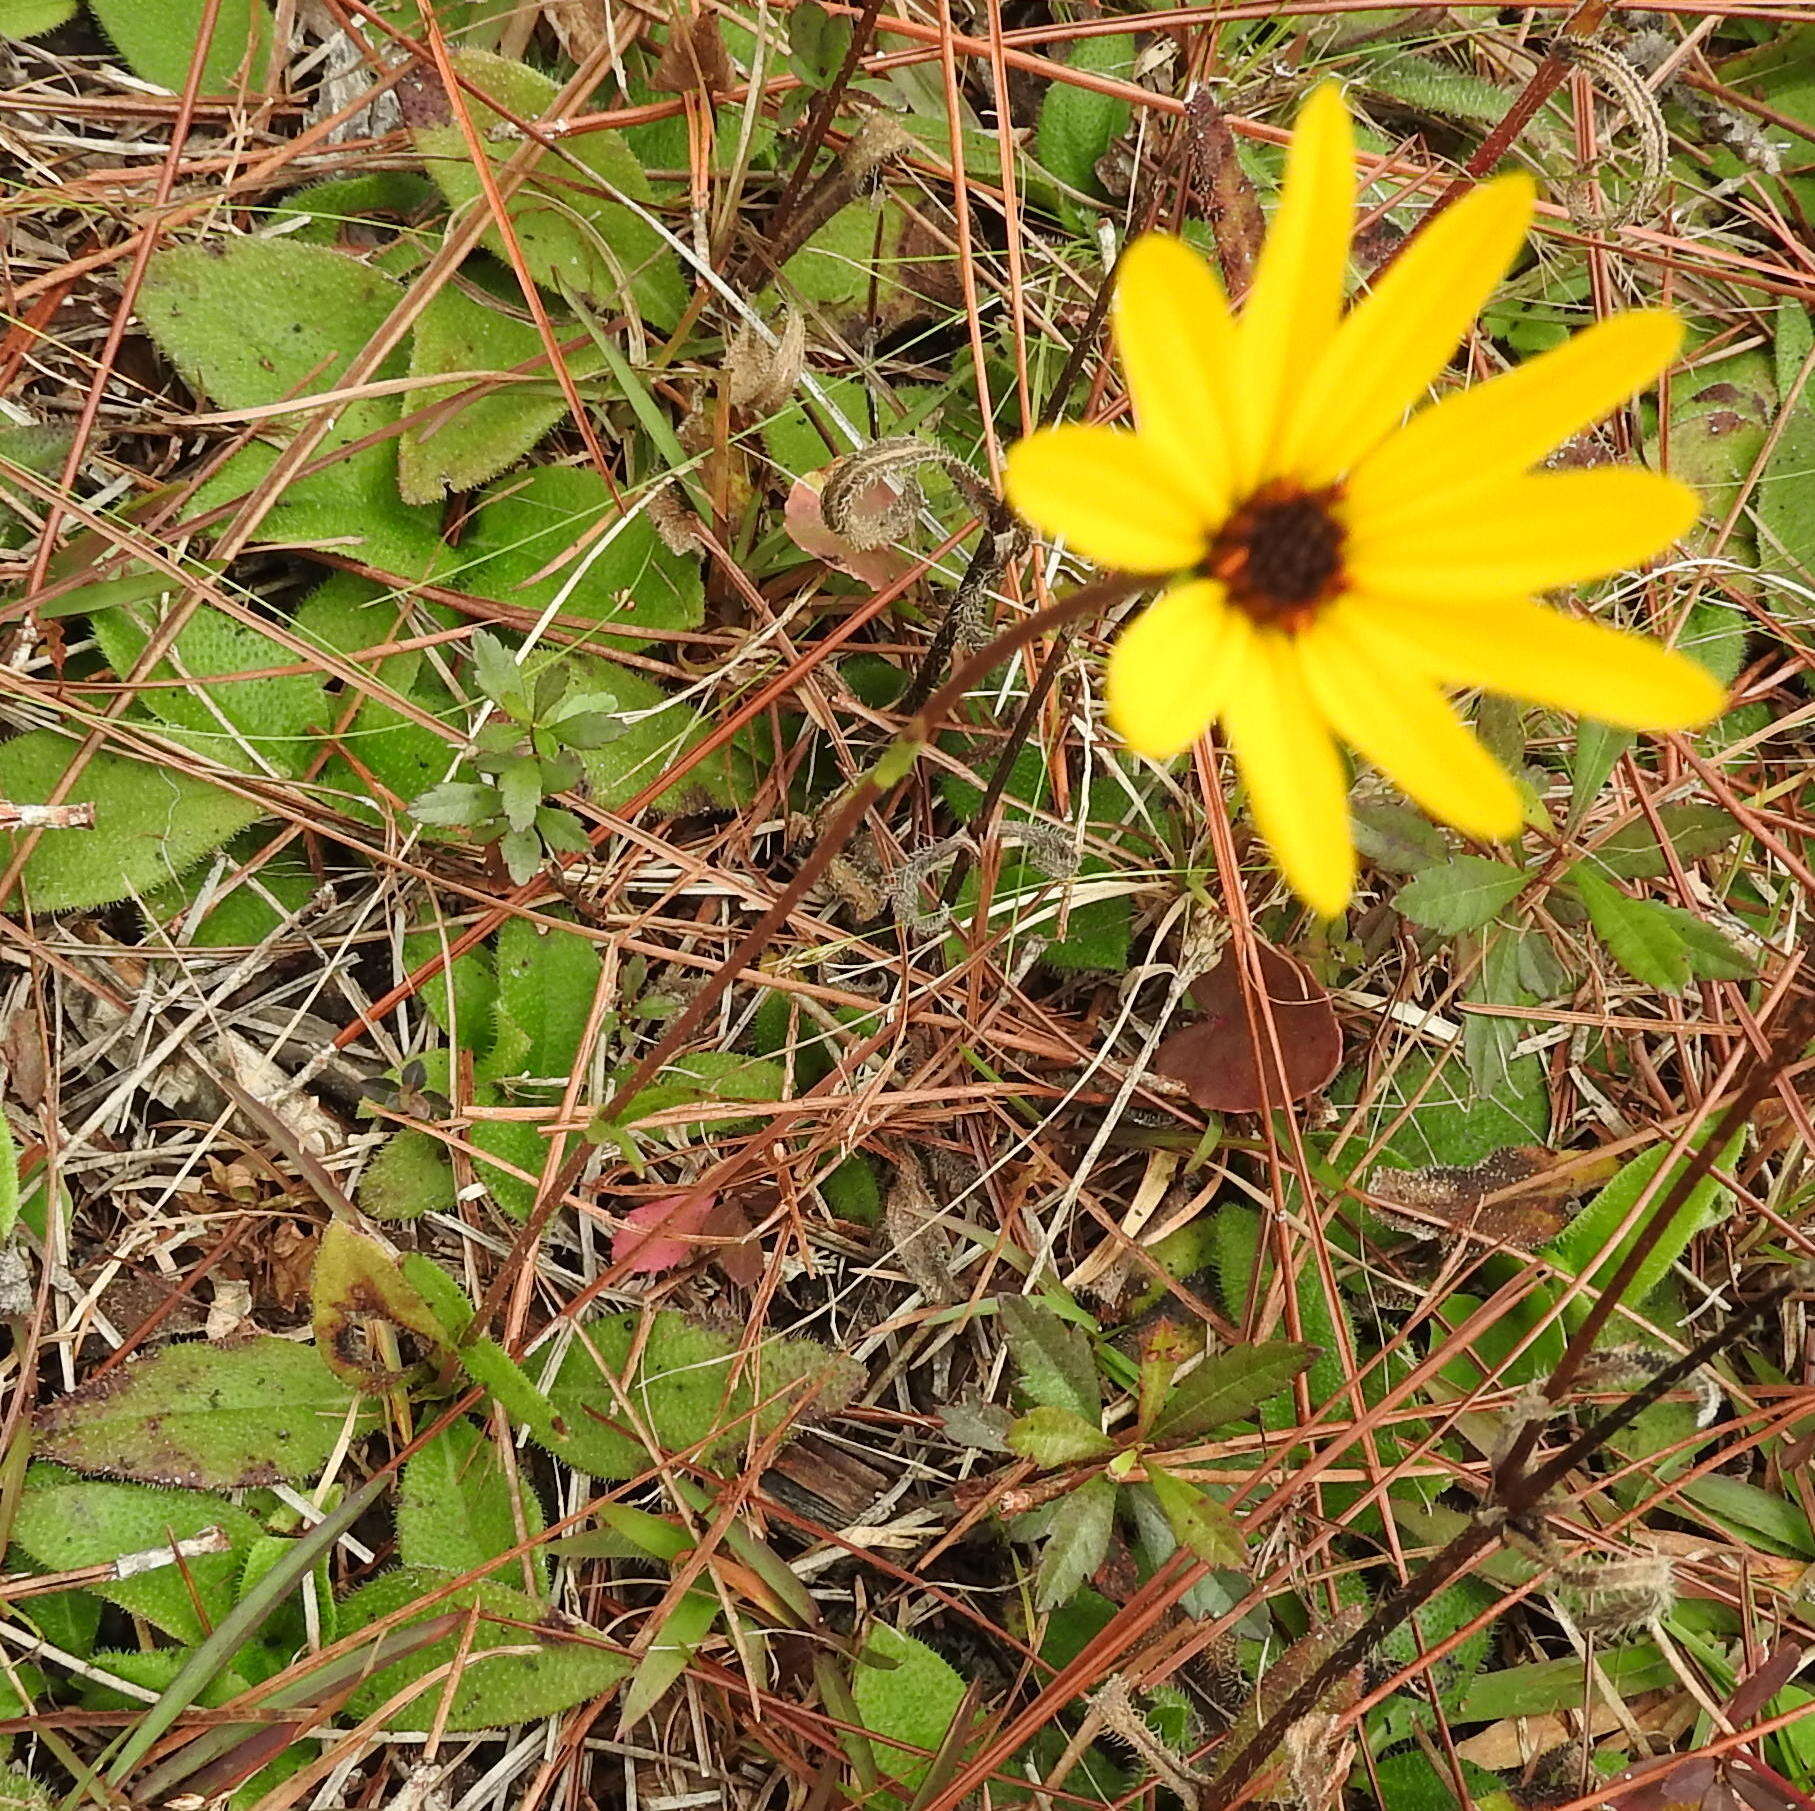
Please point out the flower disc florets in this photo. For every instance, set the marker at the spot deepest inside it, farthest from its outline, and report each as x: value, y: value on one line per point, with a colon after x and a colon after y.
x: 1280, y: 555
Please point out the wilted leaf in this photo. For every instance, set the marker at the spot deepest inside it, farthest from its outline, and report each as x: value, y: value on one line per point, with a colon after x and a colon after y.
x: 877, y: 567
x: 1225, y: 1068
x: 1518, y: 1196
x: 981, y: 1425
x: 218, y: 1417
x: 357, y: 1290
x: 1230, y: 1387
x: 1054, y: 1357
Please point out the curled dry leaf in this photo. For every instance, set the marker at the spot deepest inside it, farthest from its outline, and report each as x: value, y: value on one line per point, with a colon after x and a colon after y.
x: 811, y: 533
x: 663, y: 1235
x: 1223, y: 1068
x: 1520, y: 1196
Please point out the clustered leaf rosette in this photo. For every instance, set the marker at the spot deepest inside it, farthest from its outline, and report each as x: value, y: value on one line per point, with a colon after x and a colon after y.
x: 1332, y: 566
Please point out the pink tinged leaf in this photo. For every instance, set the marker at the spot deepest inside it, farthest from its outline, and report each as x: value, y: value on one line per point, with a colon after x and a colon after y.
x: 655, y: 1236
x: 811, y: 533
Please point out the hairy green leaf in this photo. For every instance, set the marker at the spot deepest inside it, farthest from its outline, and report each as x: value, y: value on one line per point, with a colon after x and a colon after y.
x: 907, y: 1703
x: 32, y: 18
x: 151, y: 823
x: 159, y: 39
x: 1054, y: 1357
x: 454, y: 1509
x: 222, y: 1417
x: 564, y: 1664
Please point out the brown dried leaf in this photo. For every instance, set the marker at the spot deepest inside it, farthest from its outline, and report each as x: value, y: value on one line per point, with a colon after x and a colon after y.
x: 357, y: 1290
x: 694, y: 58
x: 1217, y: 1059
x: 1519, y: 1196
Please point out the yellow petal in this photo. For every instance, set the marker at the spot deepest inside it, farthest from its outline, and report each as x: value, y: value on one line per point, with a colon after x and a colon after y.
x: 1509, y: 423
x: 1297, y: 788
x: 1171, y: 668
x: 1544, y: 657
x: 1391, y: 345
x: 1400, y: 722
x: 1517, y: 535
x: 1290, y: 311
x: 1107, y: 495
x: 1173, y: 332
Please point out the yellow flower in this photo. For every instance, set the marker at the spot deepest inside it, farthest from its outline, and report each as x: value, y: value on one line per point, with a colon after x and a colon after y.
x: 1334, y: 566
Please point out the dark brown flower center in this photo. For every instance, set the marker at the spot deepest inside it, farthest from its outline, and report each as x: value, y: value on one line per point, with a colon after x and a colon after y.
x: 1280, y: 555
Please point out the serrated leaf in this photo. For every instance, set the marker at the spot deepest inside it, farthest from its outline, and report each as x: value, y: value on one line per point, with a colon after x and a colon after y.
x: 688, y: 1388
x: 1054, y: 1358
x: 658, y: 733
x: 1055, y: 1436
x: 1206, y: 1528
x: 454, y: 1507
x: 151, y: 822
x: 1396, y: 837
x: 159, y: 38
x: 1694, y: 830
x: 520, y: 791
x: 220, y: 1417
x: 566, y: 1665
x: 1660, y: 945
x: 456, y: 445
x: 456, y: 802
x: 65, y: 1522
x: 1230, y: 1387
x: 575, y: 238
x: 1463, y: 894
x: 411, y: 1176
x: 32, y: 18
x: 1077, y: 1541
x: 907, y: 1703
x: 981, y: 1425
x: 497, y: 673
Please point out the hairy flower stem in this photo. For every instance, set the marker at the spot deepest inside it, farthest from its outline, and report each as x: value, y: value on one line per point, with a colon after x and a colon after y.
x: 896, y: 763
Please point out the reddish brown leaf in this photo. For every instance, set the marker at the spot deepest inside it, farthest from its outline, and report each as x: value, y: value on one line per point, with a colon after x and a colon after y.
x: 656, y: 1236
x: 1519, y: 1196
x: 1217, y: 1059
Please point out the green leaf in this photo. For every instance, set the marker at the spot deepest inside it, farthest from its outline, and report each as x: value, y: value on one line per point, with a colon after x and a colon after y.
x: 411, y: 1176
x: 456, y: 445
x: 689, y: 1388
x: 546, y: 983
x: 1230, y: 1387
x: 1077, y: 125
x: 1057, y: 1367
x: 561, y: 1669
x: 609, y: 569
x: 1077, y: 1541
x: 669, y: 1653
x: 1632, y: 852
x: 1463, y: 894
x: 355, y: 1283
x: 907, y: 1702
x: 1576, y: 1248
x: 66, y: 1522
x: 520, y: 791
x: 456, y: 802
x: 1598, y: 748
x: 32, y: 18
x: 1660, y: 945
x: 151, y: 822
x: 1205, y: 1528
x: 574, y: 238
x: 454, y: 1507
x: 659, y: 733
x: 1055, y: 1436
x: 9, y: 1183
x: 158, y: 38
x: 1396, y: 837
x: 220, y: 1417
x: 1786, y: 516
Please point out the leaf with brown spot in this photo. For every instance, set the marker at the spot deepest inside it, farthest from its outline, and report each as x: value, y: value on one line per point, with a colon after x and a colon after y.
x: 1519, y: 1196
x: 1222, y: 1067
x: 356, y: 1291
x: 211, y: 1417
